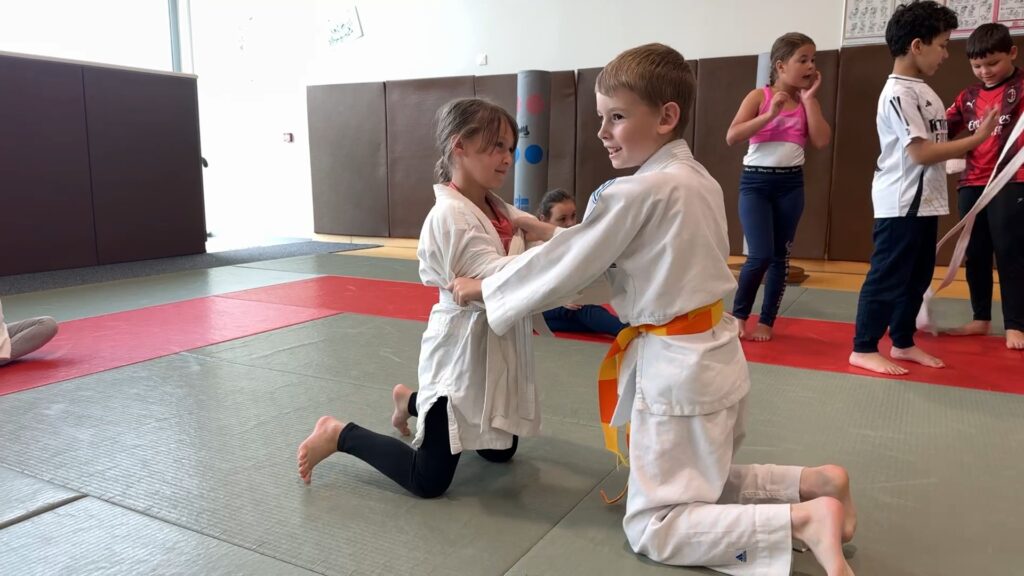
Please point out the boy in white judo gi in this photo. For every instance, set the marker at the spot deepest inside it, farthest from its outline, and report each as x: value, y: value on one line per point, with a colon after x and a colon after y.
x: 659, y: 238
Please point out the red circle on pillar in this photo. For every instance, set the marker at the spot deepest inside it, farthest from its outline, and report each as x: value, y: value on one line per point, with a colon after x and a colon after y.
x: 535, y: 104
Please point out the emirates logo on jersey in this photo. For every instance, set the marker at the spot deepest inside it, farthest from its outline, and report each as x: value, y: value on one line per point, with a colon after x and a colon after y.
x: 1011, y: 95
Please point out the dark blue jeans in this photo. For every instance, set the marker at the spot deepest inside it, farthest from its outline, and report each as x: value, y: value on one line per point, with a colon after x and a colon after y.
x: 901, y: 271
x: 771, y: 202
x: 589, y: 318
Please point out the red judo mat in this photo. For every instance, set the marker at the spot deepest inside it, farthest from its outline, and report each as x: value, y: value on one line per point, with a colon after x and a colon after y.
x: 978, y: 362
x: 105, y: 342
x: 92, y: 345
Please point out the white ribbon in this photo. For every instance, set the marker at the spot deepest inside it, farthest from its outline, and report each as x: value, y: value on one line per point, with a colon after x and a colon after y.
x: 996, y: 182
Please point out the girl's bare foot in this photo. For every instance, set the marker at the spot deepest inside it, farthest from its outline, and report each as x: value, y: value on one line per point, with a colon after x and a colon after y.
x: 1015, y: 340
x: 972, y: 328
x: 762, y: 333
x: 915, y: 354
x: 400, y: 418
x: 834, y: 481
x: 876, y: 363
x: 742, y: 323
x: 319, y: 445
x: 819, y: 524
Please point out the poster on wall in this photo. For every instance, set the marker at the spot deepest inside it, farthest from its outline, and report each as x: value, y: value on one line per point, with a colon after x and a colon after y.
x: 341, y: 25
x: 864, y: 21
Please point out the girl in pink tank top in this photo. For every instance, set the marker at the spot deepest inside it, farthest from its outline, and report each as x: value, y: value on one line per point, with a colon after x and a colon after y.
x: 778, y: 120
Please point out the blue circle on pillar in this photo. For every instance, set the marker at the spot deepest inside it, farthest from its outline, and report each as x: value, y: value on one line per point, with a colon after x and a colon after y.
x: 516, y: 159
x: 534, y: 154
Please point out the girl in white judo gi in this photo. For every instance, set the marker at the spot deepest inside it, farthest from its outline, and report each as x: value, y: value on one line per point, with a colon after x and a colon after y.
x: 476, y: 388
x: 659, y: 238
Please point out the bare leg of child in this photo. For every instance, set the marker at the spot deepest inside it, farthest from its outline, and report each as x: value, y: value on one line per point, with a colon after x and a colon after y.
x: 972, y: 328
x: 762, y: 333
x: 400, y: 418
x: 915, y: 354
x: 831, y: 480
x: 819, y: 524
x: 1015, y: 340
x: 319, y: 445
x: 875, y: 362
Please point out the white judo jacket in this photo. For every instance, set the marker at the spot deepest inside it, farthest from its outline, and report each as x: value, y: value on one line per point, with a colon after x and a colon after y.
x: 488, y: 379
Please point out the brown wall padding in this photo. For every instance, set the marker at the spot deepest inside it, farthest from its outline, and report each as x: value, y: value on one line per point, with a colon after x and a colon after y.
x: 813, y: 231
x: 592, y: 165
x: 412, y: 106
x: 501, y: 89
x: 348, y: 159
x: 145, y: 158
x: 721, y: 85
x: 862, y: 73
x: 45, y: 197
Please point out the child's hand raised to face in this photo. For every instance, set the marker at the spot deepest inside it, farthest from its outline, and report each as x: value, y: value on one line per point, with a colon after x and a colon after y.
x: 812, y: 92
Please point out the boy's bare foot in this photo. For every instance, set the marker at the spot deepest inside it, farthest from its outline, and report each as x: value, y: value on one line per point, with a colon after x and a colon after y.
x: 915, y: 354
x: 819, y: 524
x: 400, y: 418
x: 876, y: 363
x: 972, y: 328
x: 319, y: 445
x: 834, y: 481
x: 762, y: 333
x: 1015, y: 340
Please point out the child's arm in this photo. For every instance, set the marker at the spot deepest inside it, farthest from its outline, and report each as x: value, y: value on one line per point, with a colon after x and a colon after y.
x: 748, y: 122
x: 454, y: 248
x: 902, y: 112
x: 818, y: 130
x: 550, y: 275
x: 925, y: 152
x: 955, y: 117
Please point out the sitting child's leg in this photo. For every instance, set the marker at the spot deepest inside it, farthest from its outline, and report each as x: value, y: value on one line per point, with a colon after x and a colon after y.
x: 30, y: 335
x: 599, y: 320
x: 426, y: 472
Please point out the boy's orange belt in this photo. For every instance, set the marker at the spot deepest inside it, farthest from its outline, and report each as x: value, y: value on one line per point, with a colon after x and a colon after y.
x: 693, y: 322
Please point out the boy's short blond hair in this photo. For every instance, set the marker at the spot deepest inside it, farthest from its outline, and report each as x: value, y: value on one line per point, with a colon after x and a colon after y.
x: 657, y: 74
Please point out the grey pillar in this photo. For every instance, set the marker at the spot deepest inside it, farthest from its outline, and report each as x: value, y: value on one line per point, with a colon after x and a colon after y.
x: 533, y: 114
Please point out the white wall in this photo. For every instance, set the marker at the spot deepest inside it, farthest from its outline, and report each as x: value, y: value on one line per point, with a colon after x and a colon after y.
x: 123, y: 32
x: 255, y: 58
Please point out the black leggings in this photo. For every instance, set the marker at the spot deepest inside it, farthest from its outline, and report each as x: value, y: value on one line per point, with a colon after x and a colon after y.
x: 426, y: 472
